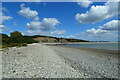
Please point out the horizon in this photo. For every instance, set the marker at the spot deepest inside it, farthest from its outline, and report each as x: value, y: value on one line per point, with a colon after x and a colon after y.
x: 97, y: 21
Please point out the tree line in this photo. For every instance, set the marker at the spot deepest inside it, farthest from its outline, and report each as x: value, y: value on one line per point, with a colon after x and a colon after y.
x: 16, y: 39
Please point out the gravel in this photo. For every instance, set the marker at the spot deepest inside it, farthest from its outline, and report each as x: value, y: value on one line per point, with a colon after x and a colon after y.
x: 0, y: 65
x: 96, y: 63
x: 36, y: 61
x: 41, y: 61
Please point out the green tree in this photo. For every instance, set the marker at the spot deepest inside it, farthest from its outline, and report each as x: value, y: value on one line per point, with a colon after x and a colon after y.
x: 16, y: 37
x: 4, y: 38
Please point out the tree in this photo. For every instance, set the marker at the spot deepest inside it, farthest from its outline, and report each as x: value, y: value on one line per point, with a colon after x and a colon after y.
x: 4, y: 38
x: 16, y: 37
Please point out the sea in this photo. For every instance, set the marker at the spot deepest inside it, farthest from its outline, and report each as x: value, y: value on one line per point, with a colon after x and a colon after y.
x: 107, y: 46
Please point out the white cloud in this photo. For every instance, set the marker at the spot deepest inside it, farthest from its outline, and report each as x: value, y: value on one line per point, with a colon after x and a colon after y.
x: 4, y: 28
x: 94, y: 31
x: 34, y: 25
x: 1, y: 28
x: 99, y: 35
x: 3, y: 9
x: 4, y: 18
x: 71, y: 36
x: 41, y: 32
x: 108, y: 32
x: 98, y: 13
x: 58, y: 32
x: 84, y: 3
x: 27, y: 12
x: 112, y: 25
x: 46, y: 24
x: 45, y: 27
x: 35, y: 32
x: 36, y: 18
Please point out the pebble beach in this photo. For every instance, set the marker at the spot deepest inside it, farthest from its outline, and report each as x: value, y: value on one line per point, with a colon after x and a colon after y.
x: 43, y: 61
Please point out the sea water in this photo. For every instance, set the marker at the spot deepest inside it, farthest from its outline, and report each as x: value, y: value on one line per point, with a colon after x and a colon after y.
x: 108, y: 46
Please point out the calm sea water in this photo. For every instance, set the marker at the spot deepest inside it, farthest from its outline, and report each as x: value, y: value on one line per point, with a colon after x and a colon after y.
x: 108, y: 46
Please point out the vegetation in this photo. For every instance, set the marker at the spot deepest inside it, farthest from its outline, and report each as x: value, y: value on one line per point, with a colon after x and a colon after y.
x: 58, y: 39
x: 15, y: 39
x: 76, y: 40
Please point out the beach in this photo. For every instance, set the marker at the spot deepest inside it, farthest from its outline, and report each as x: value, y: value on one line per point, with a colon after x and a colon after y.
x: 45, y: 61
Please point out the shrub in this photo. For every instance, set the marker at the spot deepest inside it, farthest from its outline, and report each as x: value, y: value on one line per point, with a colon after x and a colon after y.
x: 4, y: 38
x: 16, y: 37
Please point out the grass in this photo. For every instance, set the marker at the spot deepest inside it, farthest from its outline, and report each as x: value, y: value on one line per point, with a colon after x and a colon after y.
x: 13, y: 45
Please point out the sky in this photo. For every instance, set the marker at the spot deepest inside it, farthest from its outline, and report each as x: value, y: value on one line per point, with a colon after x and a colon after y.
x: 82, y: 20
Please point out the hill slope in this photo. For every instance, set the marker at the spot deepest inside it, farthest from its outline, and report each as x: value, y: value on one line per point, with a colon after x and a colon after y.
x: 55, y: 39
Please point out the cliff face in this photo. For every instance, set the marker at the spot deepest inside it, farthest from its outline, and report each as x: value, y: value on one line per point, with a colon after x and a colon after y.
x: 54, y: 39
x: 45, y: 39
x: 51, y: 40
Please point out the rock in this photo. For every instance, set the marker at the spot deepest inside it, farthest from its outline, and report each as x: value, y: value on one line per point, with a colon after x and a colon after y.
x: 14, y: 71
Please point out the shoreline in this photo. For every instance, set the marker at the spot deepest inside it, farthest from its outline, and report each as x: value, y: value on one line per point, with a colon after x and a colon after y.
x: 79, y: 42
x: 92, y: 61
x: 116, y: 52
x: 63, y: 62
x: 39, y: 61
x: 88, y: 45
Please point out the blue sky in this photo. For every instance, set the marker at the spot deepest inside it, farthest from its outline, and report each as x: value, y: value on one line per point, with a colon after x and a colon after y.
x: 61, y: 19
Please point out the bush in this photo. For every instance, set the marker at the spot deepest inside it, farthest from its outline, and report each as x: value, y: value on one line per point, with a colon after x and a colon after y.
x: 14, y: 44
x: 16, y: 39
x: 29, y: 40
x: 4, y: 38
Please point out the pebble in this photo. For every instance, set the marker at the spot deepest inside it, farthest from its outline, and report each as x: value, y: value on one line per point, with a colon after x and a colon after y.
x: 36, y: 61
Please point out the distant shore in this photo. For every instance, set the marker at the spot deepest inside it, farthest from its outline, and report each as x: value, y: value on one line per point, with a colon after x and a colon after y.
x: 76, y: 43
x: 88, y: 45
x: 44, y: 61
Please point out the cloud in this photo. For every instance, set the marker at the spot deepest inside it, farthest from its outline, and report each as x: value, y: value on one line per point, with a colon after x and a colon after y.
x: 112, y: 25
x: 45, y: 27
x: 58, y: 32
x: 46, y: 24
x: 98, y: 13
x: 36, y: 32
x: 84, y: 3
x: 4, y: 9
x: 1, y: 28
x: 4, y: 28
x: 36, y: 18
x: 3, y: 18
x: 99, y: 35
x: 71, y: 36
x: 107, y: 32
x: 40, y: 32
x: 94, y: 31
x: 27, y: 12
